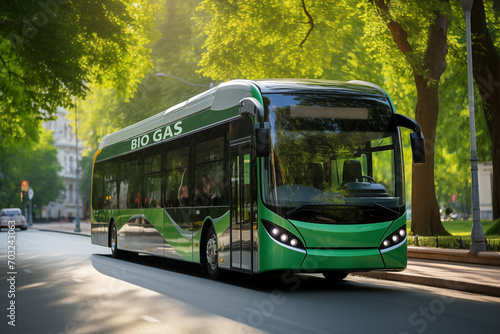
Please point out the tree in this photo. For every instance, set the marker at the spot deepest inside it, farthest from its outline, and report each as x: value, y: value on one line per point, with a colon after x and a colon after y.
x: 304, y: 39
x: 50, y: 49
x: 427, y: 69
x: 280, y: 39
x: 175, y: 51
x: 36, y: 163
x: 486, y: 63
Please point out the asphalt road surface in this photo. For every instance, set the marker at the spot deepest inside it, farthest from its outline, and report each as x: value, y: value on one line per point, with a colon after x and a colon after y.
x: 60, y: 283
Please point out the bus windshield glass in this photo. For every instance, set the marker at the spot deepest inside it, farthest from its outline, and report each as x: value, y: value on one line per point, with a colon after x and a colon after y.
x: 335, y: 159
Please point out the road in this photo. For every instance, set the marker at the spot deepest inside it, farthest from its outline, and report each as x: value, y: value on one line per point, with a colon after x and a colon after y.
x: 63, y: 284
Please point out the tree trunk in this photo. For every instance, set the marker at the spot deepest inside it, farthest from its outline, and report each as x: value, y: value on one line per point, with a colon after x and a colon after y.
x: 427, y: 73
x: 486, y: 63
x: 425, y: 209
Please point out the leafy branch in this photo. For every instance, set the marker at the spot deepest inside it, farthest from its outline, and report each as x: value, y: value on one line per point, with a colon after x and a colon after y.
x: 310, y: 22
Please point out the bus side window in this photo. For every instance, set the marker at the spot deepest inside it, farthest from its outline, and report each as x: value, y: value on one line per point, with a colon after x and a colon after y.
x: 152, y: 181
x: 110, y: 186
x: 210, y: 183
x: 97, y: 188
x: 153, y: 191
x: 130, y: 192
x: 177, y: 192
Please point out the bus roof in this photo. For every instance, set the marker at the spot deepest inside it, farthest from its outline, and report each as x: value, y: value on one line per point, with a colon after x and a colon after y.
x: 305, y: 85
x: 229, y: 94
x: 223, y: 96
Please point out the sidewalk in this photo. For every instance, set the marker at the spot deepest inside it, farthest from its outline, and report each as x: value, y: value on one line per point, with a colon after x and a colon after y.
x: 444, y: 268
x: 475, y: 278
x: 63, y: 227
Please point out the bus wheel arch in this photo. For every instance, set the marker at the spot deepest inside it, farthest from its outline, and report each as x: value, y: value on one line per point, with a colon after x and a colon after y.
x: 111, y: 222
x: 209, y: 251
x: 113, y: 239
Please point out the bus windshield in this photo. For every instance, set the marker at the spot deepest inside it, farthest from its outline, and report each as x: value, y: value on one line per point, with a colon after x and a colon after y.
x: 335, y: 159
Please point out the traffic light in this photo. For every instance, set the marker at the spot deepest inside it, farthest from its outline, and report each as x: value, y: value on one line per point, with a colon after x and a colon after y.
x: 24, y: 185
x: 21, y: 196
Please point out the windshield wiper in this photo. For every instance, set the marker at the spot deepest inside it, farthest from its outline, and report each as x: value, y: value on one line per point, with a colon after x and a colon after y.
x: 297, y: 209
x: 386, y: 209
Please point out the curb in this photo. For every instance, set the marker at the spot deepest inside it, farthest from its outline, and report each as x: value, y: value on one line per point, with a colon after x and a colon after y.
x: 454, y: 255
x: 61, y: 231
x: 436, y: 282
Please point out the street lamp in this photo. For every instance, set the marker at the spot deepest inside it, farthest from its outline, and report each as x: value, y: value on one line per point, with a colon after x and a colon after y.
x: 189, y: 83
x: 77, y: 218
x: 477, y: 235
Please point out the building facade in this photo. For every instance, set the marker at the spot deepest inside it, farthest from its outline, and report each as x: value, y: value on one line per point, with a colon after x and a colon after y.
x: 64, y: 140
x: 485, y: 178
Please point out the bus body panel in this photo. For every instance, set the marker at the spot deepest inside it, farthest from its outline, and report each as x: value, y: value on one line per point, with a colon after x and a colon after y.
x: 274, y: 256
x: 342, y: 236
x: 221, y: 224
x: 396, y: 259
x: 99, y: 233
x: 342, y: 259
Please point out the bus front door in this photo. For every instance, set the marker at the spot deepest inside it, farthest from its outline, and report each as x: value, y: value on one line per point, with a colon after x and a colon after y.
x: 241, y: 207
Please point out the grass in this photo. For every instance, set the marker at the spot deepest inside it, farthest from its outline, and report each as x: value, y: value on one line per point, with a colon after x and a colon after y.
x: 458, y: 235
x: 462, y: 228
x: 494, y: 229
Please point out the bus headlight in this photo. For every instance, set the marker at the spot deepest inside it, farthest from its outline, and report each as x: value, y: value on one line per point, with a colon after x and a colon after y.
x: 394, y: 239
x: 282, y: 236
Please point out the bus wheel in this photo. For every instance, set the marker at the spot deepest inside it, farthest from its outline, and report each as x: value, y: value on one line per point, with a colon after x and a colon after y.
x: 335, y: 276
x: 211, y: 253
x: 114, y: 241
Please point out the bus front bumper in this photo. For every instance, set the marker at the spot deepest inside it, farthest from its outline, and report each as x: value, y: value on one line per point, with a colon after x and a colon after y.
x: 354, y: 259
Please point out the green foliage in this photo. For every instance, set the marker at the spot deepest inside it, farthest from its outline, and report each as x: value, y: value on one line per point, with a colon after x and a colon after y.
x: 277, y: 38
x: 494, y: 229
x: 36, y: 163
x: 254, y: 39
x: 175, y: 52
x: 50, y: 49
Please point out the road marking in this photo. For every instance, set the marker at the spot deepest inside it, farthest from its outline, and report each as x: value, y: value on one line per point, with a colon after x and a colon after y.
x: 78, y: 280
x: 33, y: 241
x: 34, y: 285
x: 28, y: 271
x: 148, y: 318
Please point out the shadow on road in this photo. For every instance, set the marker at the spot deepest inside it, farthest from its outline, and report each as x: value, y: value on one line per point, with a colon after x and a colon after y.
x: 287, y: 281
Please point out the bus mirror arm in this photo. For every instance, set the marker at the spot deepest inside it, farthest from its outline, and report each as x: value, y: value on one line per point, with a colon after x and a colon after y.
x: 251, y: 106
x: 416, y: 137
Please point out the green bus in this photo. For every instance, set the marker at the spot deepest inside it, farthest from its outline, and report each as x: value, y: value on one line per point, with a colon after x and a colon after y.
x: 261, y: 176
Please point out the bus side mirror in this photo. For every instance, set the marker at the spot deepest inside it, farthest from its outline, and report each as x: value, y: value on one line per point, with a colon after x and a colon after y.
x: 418, y: 147
x: 416, y: 137
x: 263, y: 142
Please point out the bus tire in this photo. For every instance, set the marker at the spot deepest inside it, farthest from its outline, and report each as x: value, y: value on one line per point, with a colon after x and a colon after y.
x: 211, y: 256
x: 335, y: 276
x: 113, y: 241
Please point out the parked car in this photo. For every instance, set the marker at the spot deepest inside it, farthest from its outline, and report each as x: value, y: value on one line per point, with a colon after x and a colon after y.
x: 13, y: 214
